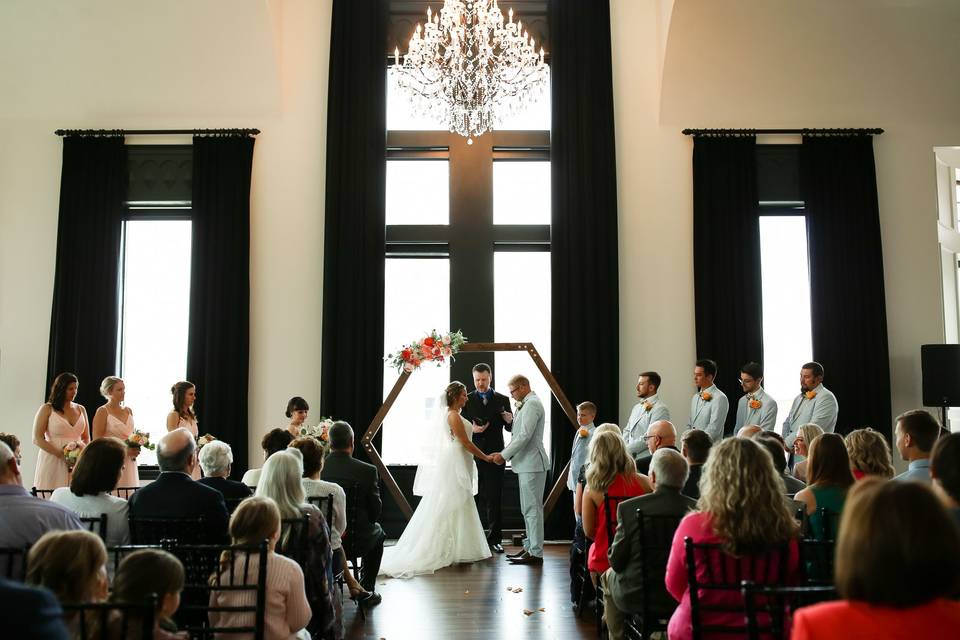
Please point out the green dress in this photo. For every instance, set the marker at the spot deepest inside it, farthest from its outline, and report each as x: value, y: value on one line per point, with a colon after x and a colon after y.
x: 831, y: 498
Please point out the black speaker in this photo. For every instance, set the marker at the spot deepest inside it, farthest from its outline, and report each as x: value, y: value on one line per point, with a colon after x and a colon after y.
x: 940, y: 364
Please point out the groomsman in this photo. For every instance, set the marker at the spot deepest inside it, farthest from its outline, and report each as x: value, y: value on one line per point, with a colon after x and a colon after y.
x: 815, y: 404
x: 756, y: 406
x: 709, y: 405
x: 648, y: 410
x: 484, y: 410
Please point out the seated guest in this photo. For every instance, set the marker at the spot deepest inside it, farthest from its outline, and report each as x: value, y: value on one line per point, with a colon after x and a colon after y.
x: 696, y: 447
x: 366, y: 540
x: 869, y: 454
x: 945, y: 472
x: 25, y: 518
x: 779, y: 455
x: 742, y: 508
x: 897, y: 568
x: 749, y: 430
x: 287, y: 611
x: 11, y: 441
x: 72, y: 564
x: 313, y: 486
x: 30, y: 613
x: 916, y: 433
x: 612, y: 473
x: 216, y: 460
x: 281, y: 482
x: 623, y: 581
x: 829, y: 475
x: 94, y: 479
x: 274, y: 440
x: 175, y: 494
x: 801, y: 444
x: 152, y: 572
x: 660, y: 434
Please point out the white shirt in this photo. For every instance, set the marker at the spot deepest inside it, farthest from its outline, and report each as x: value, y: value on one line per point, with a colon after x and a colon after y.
x: 251, y: 478
x: 322, y: 489
x: 118, y: 529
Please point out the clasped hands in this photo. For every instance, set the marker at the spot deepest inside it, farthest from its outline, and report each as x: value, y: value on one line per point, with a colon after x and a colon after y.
x: 496, y: 458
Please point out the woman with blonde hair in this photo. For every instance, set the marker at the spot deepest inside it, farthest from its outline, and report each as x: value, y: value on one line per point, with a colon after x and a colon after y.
x: 611, y: 477
x: 741, y: 508
x: 287, y: 611
x: 115, y: 419
x: 801, y: 447
x: 869, y: 454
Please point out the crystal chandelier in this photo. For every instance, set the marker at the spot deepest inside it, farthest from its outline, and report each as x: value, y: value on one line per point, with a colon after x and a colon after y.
x: 469, y: 68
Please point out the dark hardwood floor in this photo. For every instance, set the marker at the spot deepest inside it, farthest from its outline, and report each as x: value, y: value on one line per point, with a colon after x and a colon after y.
x: 472, y: 601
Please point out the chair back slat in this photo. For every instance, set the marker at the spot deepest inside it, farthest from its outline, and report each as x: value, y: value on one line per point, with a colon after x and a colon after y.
x: 769, y: 609
x: 233, y: 503
x: 655, y: 535
x: 13, y: 563
x: 125, y: 492
x: 155, y: 530
x: 43, y: 494
x: 96, y: 524
x: 116, y: 554
x: 295, y: 539
x: 610, y: 504
x: 110, y: 620
x: 325, y: 505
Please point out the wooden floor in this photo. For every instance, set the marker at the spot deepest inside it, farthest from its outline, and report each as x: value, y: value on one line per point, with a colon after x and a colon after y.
x: 472, y: 601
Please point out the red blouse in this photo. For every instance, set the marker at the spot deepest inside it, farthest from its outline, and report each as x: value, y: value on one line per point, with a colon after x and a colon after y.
x: 621, y: 488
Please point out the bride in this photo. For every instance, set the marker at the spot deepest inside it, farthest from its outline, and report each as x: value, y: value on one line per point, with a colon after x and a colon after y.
x: 445, y: 528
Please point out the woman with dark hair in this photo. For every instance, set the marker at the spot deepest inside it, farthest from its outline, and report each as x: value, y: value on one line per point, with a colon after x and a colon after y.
x: 897, y: 568
x: 829, y: 477
x: 184, y: 395
x: 273, y: 441
x: 94, y: 479
x: 297, y: 410
x: 59, y: 422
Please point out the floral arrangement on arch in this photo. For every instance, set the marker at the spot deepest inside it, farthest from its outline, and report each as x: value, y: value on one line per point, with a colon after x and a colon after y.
x: 435, y: 347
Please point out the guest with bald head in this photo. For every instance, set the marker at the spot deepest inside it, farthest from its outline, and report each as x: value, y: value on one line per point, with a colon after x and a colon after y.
x: 660, y: 434
x: 175, y: 494
x: 748, y: 431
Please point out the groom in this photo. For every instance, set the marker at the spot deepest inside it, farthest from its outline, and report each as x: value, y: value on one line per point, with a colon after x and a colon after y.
x: 530, y: 464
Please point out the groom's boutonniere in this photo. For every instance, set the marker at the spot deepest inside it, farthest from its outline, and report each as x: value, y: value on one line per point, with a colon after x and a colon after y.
x: 519, y: 406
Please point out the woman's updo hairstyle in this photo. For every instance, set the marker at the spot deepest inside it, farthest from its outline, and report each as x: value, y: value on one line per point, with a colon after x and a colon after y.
x: 106, y: 387
x: 296, y: 404
x: 453, y: 391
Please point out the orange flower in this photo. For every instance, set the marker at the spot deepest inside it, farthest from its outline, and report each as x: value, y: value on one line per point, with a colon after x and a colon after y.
x: 706, y: 396
x: 810, y: 395
x: 755, y: 404
x: 583, y: 432
x: 647, y: 406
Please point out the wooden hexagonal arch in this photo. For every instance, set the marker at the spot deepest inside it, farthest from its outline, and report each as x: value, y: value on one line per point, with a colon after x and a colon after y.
x: 377, y: 422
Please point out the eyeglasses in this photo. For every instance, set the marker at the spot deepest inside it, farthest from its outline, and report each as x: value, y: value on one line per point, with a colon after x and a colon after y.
x: 648, y: 437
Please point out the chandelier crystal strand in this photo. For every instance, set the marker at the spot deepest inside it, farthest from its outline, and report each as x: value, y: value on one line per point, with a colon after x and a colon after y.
x: 469, y: 68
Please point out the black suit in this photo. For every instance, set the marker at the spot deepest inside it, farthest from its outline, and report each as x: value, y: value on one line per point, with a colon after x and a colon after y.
x: 177, y: 495
x: 489, y: 475
x: 30, y: 612
x: 692, y: 488
x: 231, y: 489
x: 366, y: 538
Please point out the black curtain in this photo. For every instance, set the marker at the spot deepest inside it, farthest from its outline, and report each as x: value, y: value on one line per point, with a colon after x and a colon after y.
x: 583, y: 260
x: 726, y: 258
x: 85, y: 316
x: 218, y: 347
x: 354, y: 232
x: 848, y: 308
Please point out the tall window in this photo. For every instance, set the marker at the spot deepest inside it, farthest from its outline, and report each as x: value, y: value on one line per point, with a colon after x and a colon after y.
x: 155, y: 287
x: 468, y: 241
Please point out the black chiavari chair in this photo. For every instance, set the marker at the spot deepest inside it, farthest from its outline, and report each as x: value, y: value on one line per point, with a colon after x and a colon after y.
x: 769, y: 610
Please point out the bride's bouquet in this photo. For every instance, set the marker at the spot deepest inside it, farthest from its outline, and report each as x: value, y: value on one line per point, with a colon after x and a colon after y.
x: 71, y: 453
x: 436, y: 347
x: 139, y: 440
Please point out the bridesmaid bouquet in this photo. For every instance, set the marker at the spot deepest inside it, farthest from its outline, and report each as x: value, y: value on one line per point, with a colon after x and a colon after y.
x: 138, y: 439
x: 321, y: 432
x: 71, y: 453
x: 436, y: 347
x: 204, y: 439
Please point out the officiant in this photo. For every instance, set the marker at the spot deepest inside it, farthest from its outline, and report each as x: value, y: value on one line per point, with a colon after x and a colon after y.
x: 489, y: 413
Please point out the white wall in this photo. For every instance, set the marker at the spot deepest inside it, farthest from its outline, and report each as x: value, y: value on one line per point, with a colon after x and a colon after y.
x: 777, y: 63
x: 180, y: 64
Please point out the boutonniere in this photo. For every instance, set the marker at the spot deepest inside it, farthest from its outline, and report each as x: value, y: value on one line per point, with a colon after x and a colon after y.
x: 754, y: 403
x: 519, y: 406
x: 583, y: 432
x: 706, y: 396
x: 647, y: 405
x: 810, y: 395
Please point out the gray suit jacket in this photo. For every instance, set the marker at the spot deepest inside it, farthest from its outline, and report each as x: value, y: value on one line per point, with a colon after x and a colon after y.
x: 525, y: 450
x: 626, y: 579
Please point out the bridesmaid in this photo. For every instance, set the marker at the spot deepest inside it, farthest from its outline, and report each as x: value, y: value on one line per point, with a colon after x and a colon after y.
x: 184, y: 395
x: 59, y: 421
x: 116, y: 420
x: 297, y: 410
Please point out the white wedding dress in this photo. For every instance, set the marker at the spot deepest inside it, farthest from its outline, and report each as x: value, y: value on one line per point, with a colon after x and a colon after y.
x: 445, y: 528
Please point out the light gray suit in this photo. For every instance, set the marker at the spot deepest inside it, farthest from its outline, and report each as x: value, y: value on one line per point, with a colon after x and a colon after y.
x: 578, y: 455
x: 640, y: 419
x: 821, y: 411
x: 709, y: 415
x: 765, y: 416
x: 530, y: 463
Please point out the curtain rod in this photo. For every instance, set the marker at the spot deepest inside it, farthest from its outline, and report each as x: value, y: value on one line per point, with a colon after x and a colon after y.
x: 154, y: 132
x: 829, y: 132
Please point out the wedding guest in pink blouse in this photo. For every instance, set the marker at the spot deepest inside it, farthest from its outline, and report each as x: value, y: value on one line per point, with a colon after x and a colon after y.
x: 58, y: 422
x: 287, y: 610
x: 184, y: 395
x: 742, y: 508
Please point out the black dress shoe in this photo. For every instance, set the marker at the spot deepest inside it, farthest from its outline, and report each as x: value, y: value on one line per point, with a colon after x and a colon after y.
x: 496, y: 547
x: 518, y: 554
x: 527, y: 560
x: 368, y: 599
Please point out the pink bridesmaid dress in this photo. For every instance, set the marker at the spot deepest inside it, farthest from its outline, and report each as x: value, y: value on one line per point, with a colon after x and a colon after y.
x: 192, y: 427
x: 52, y: 470
x: 129, y: 477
